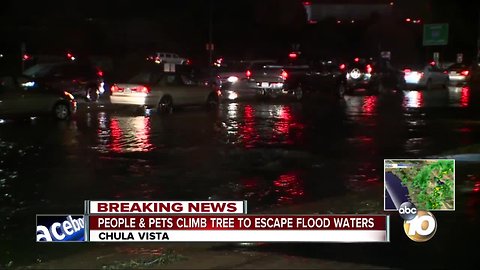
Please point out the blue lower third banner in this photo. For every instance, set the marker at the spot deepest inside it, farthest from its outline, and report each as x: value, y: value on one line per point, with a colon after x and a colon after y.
x: 61, y: 228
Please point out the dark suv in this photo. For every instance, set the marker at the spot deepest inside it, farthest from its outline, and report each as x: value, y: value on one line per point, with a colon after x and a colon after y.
x: 359, y: 74
x: 83, y: 81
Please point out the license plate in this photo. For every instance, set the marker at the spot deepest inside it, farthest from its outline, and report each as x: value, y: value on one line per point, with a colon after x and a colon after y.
x: 453, y: 73
x: 265, y: 84
x: 127, y: 91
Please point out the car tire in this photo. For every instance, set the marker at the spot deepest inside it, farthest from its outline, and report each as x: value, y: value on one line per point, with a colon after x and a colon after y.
x: 298, y: 93
x: 212, y: 102
x: 165, y: 106
x: 61, y: 111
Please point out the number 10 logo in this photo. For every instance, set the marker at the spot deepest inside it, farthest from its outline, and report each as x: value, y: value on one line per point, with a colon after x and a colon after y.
x: 422, y: 227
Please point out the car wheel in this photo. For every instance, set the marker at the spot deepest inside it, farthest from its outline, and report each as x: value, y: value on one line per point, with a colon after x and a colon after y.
x: 298, y: 93
x: 61, y: 111
x: 212, y: 102
x: 165, y: 106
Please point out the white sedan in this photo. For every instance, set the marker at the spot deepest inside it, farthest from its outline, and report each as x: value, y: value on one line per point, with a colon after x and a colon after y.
x: 163, y: 91
x: 427, y: 77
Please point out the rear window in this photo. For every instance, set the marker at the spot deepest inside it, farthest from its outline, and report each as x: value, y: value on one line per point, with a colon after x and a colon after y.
x: 458, y: 66
x: 40, y: 70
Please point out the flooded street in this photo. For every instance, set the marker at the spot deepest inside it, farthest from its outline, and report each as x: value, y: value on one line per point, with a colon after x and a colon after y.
x: 274, y: 154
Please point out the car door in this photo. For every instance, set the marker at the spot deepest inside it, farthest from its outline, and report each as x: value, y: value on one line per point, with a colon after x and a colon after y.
x: 314, y: 77
x: 172, y: 85
x: 197, y: 93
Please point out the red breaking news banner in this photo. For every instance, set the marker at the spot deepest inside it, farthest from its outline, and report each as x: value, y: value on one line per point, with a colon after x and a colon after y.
x: 239, y: 228
x: 255, y: 222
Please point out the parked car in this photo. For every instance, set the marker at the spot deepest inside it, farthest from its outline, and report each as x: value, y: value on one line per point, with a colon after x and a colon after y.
x: 83, y: 81
x: 163, y: 91
x: 19, y: 96
x: 233, y: 78
x: 428, y: 76
x: 168, y: 57
x: 324, y: 77
x: 459, y: 73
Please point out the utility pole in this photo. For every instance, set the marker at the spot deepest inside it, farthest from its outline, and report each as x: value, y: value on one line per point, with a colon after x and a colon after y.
x: 210, y: 34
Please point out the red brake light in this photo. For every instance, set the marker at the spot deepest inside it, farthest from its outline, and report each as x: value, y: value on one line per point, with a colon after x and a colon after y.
x: 292, y: 55
x: 100, y: 73
x: 465, y: 73
x: 342, y: 66
x: 284, y: 75
x: 407, y: 70
x: 356, y: 59
x: 144, y: 89
x: 433, y: 63
x: 114, y: 88
x: 369, y: 69
x: 248, y: 73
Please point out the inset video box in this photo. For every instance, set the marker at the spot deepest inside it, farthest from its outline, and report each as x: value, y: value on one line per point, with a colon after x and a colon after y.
x: 165, y: 207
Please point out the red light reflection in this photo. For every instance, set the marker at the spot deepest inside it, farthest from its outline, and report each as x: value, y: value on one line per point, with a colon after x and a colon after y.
x: 290, y: 186
x: 369, y: 104
x: 465, y: 97
x: 130, y: 135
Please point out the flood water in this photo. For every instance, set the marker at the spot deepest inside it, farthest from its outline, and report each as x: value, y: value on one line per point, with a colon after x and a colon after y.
x: 269, y: 153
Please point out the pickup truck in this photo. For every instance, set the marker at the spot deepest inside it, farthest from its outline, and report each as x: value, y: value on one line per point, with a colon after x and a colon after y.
x: 298, y: 81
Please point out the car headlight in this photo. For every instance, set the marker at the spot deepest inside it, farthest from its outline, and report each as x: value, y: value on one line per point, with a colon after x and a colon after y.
x: 232, y: 79
x: 28, y: 84
x: 68, y: 95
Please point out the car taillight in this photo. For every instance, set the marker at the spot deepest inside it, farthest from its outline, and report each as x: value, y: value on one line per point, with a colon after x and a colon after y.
x: 407, y: 70
x: 342, y: 66
x: 284, y: 75
x: 465, y: 73
x: 144, y: 89
x: 445, y: 72
x: 100, y: 73
x: 369, y: 69
x: 248, y: 73
x: 114, y: 88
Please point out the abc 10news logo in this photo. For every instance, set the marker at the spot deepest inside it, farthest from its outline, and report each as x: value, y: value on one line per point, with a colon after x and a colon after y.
x: 419, y: 225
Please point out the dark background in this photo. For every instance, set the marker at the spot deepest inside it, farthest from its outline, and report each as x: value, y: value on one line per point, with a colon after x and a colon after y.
x: 241, y: 29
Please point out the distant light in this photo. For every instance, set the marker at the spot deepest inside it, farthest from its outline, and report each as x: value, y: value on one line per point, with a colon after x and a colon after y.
x: 342, y: 66
x: 307, y: 3
x: 356, y: 59
x: 433, y: 63
x: 232, y: 79
x: 292, y: 55
x: 353, y: 21
x: 28, y: 84
x: 26, y: 57
x: 312, y: 21
x: 69, y: 55
x: 338, y: 21
x: 408, y: 20
x: 1, y: 55
x: 72, y: 58
x: 391, y: 3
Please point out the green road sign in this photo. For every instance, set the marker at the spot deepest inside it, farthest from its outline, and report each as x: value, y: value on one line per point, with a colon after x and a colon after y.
x: 435, y: 34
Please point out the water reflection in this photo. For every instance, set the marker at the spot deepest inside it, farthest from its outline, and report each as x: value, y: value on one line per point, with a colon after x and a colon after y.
x: 251, y: 125
x: 289, y: 187
x: 459, y: 96
x: 364, y: 105
x: 413, y: 99
x: 121, y: 134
